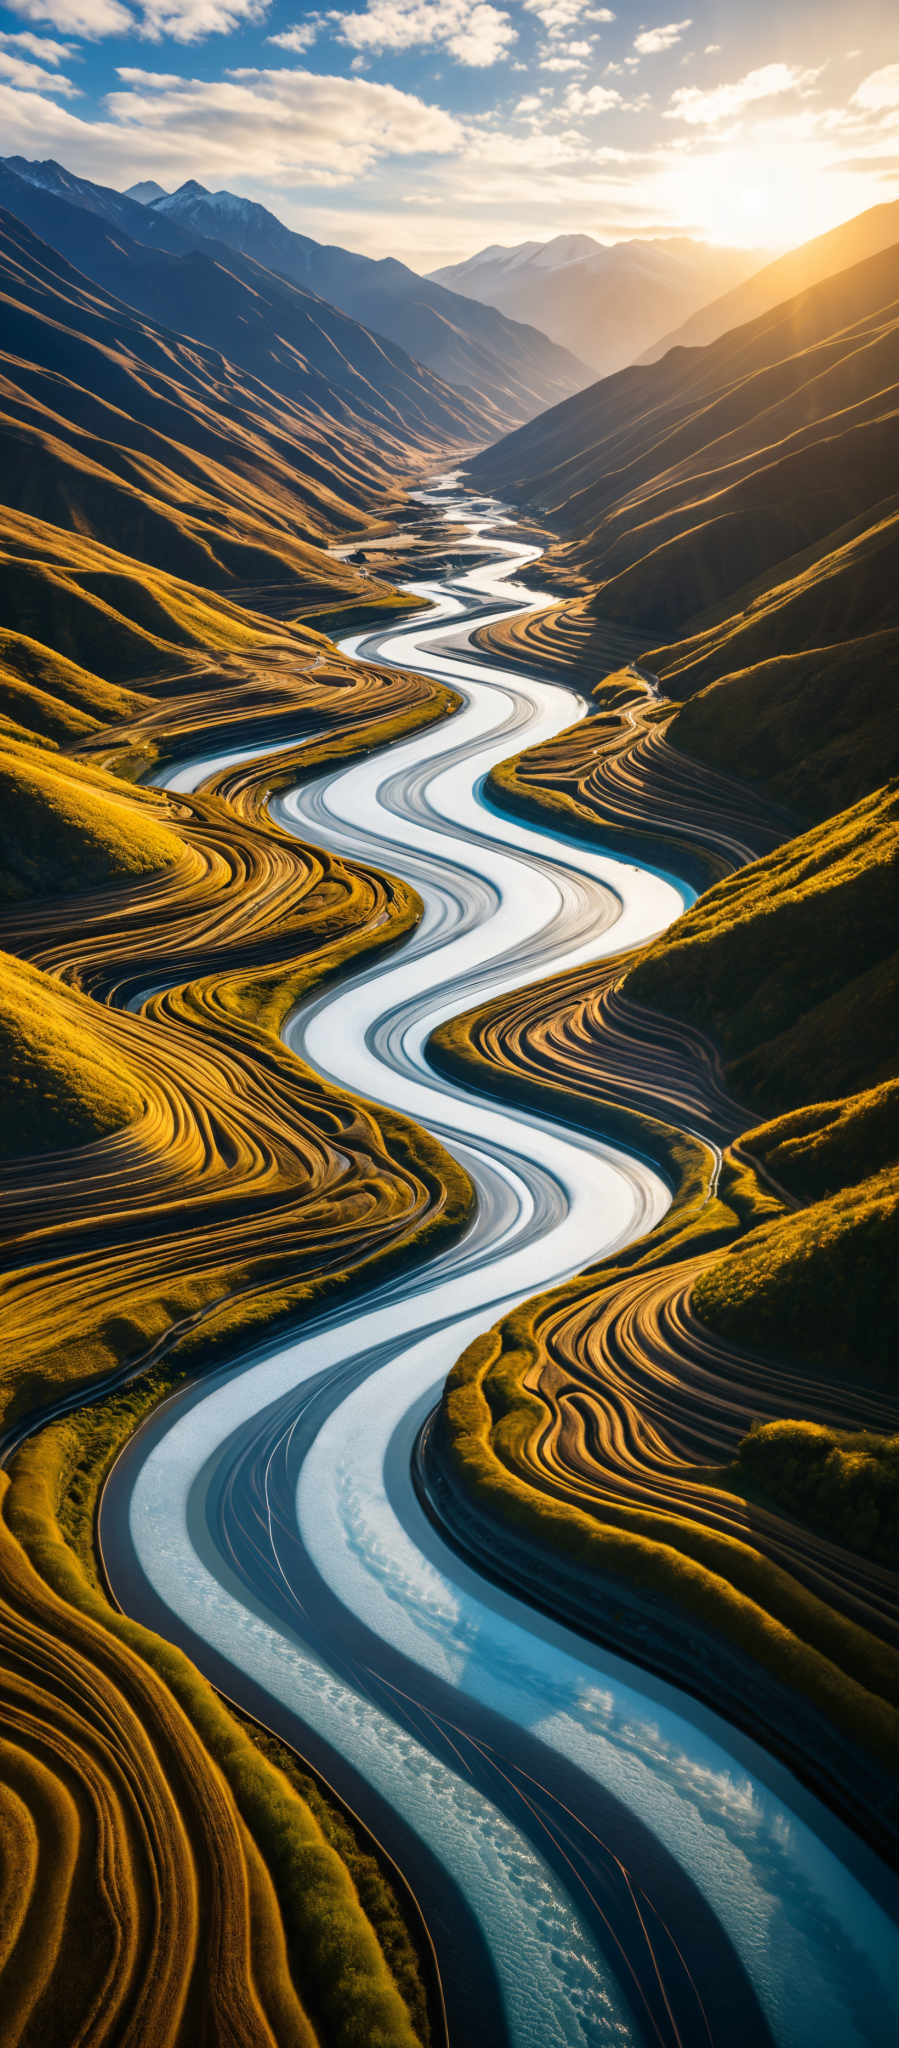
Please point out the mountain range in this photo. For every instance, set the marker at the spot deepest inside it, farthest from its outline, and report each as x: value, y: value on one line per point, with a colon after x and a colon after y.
x: 509, y: 371
x: 606, y: 302
x: 734, y: 502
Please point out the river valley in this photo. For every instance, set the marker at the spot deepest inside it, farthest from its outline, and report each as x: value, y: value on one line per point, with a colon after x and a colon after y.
x: 598, y: 1858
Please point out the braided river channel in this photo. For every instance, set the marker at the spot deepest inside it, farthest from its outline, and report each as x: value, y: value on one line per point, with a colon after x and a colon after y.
x: 596, y: 1857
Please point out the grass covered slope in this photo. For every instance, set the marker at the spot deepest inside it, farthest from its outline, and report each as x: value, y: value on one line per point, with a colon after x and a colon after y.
x: 819, y: 1286
x: 174, y: 1182
x: 166, y: 451
x: 791, y: 963
x: 66, y: 826
x: 815, y: 729
x: 220, y: 1188
x: 44, y: 693
x: 734, y: 506
x: 62, y: 1082
x: 843, y: 1482
x: 596, y: 1445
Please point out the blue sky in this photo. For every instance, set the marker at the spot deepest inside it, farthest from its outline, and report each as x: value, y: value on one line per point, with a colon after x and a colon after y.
x: 427, y: 128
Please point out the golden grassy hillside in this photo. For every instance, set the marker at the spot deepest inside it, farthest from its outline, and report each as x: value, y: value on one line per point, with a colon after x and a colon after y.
x: 50, y: 697
x: 815, y: 729
x: 733, y: 507
x: 66, y: 826
x: 63, y: 1082
x: 86, y: 623
x: 792, y: 962
x: 598, y: 1440
x: 173, y: 1181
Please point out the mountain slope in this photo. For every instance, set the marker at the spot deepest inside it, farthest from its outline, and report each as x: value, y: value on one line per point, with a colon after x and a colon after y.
x: 514, y: 367
x: 797, y: 271
x: 507, y: 372
x: 736, y: 506
x: 295, y: 345
x: 604, y: 302
x: 165, y: 451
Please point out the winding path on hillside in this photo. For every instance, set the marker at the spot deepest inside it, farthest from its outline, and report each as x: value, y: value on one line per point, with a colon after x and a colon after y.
x: 599, y: 1859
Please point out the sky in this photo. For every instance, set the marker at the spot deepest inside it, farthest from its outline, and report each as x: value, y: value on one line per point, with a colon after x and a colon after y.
x: 427, y: 129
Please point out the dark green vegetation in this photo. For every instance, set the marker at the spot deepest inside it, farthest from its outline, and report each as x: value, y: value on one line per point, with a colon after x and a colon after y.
x: 843, y: 1482
x: 506, y: 371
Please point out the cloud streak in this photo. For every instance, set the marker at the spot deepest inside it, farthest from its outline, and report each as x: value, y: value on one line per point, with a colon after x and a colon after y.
x: 722, y: 102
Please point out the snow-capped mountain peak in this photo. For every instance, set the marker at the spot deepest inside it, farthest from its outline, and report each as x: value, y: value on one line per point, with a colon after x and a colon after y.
x: 146, y: 191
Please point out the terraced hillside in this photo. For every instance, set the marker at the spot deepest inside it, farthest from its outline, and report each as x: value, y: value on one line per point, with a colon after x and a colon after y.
x: 707, y: 1425
x: 173, y: 1179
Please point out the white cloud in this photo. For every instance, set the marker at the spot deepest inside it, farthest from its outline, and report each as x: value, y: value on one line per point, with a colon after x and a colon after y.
x: 651, y: 40
x: 89, y: 18
x: 282, y: 124
x: 184, y: 21
x: 596, y: 99
x: 711, y: 49
x: 879, y: 90
x: 280, y: 127
x: 474, y: 31
x: 529, y: 105
x: 33, y: 77
x: 300, y: 37
x: 556, y: 63
x: 558, y: 16
x: 41, y: 47
x: 721, y: 102
x: 191, y: 21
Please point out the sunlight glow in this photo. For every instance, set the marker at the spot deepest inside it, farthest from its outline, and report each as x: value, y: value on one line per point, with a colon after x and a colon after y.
x: 774, y: 195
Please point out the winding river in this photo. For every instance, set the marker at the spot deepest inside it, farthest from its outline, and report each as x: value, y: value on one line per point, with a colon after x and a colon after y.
x: 598, y: 1858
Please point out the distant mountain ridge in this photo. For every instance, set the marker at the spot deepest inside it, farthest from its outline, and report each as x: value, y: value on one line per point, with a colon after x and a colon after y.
x: 511, y: 365
x: 508, y: 371
x: 146, y: 191
x: 604, y: 301
x: 308, y: 352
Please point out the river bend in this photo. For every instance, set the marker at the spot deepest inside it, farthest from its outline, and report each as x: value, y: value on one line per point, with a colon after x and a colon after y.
x: 598, y: 1858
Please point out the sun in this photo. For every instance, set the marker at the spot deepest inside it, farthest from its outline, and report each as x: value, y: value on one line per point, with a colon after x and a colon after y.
x: 754, y: 198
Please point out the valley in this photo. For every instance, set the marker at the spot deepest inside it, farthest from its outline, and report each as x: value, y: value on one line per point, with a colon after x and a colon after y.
x: 448, y: 1416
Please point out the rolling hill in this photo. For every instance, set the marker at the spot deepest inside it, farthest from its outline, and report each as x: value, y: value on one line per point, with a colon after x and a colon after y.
x: 604, y: 301
x: 505, y: 371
